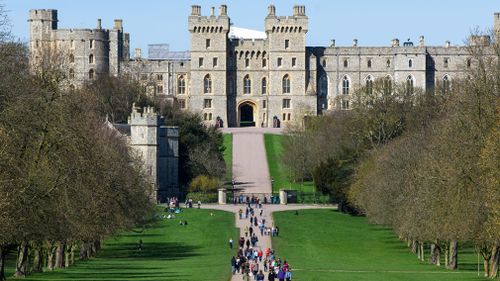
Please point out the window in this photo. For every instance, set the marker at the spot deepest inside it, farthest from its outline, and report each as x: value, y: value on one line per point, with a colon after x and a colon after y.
x: 264, y: 62
x: 346, y: 63
x: 387, y: 85
x: 324, y: 63
x: 91, y: 58
x: 286, y: 84
x: 284, y: 117
x: 289, y: 116
x: 71, y: 73
x: 345, y: 104
x: 72, y: 44
x: 287, y: 44
x: 91, y: 44
x: 280, y: 61
x: 207, y: 84
x: 446, y: 62
x: 207, y: 43
x: 182, y: 103
x: 294, y: 61
x: 91, y: 74
x: 345, y: 85
x: 409, y: 84
x: 469, y: 63
x: 369, y: 85
x: 264, y: 104
x: 410, y: 63
x: 215, y: 62
x: 286, y: 103
x: 159, y: 77
x: 388, y: 63
x: 181, y: 85
x: 247, y: 85
x: 200, y: 62
x: 210, y: 116
x: 159, y: 89
x: 144, y: 77
x: 369, y: 63
x: 446, y: 84
x: 264, y: 86
x: 71, y: 58
x: 247, y: 62
x: 207, y: 103
x: 323, y: 86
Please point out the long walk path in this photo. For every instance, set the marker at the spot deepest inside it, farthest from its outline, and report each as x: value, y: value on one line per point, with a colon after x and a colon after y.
x: 251, y: 174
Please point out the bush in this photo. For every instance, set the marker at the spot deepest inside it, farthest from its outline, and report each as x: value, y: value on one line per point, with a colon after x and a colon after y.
x: 204, y: 183
x: 203, y: 197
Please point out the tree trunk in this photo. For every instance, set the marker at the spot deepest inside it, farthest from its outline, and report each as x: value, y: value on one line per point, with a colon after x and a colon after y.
x: 2, y: 263
x: 50, y: 258
x: 83, y: 252
x: 59, y: 254
x: 494, y: 260
x: 72, y: 256
x: 422, y: 252
x: 446, y: 255
x: 413, y: 246
x: 453, y: 255
x: 22, y: 259
x: 37, y: 260
x: 485, y: 267
x: 435, y: 255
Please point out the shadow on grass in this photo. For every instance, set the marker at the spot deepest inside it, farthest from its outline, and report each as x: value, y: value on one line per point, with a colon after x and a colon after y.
x: 153, y: 250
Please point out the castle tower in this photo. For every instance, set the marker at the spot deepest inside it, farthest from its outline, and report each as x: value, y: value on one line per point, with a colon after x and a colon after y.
x: 209, y: 63
x: 42, y: 22
x: 496, y: 26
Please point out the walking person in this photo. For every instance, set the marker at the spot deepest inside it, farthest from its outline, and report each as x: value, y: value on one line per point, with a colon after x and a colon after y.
x: 288, y: 274
x: 230, y: 243
x: 260, y: 276
x: 233, y: 265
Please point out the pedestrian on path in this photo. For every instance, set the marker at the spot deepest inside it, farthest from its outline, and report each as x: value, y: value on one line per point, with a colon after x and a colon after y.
x: 233, y: 265
x: 288, y: 274
x: 260, y: 276
x: 230, y: 243
x: 271, y: 276
x: 246, y: 277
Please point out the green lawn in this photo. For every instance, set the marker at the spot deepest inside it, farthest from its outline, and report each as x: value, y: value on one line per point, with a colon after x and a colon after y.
x: 327, y: 245
x: 197, y: 251
x: 279, y: 172
x: 228, y: 156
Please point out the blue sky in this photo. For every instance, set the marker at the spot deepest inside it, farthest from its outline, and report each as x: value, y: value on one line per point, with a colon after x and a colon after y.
x: 373, y: 23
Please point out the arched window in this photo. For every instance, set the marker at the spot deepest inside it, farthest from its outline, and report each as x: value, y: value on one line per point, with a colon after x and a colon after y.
x: 91, y: 74
x: 71, y: 58
x: 369, y: 63
x: 409, y: 84
x: 388, y: 63
x: 207, y: 84
x: 323, y: 85
x: 181, y: 85
x: 71, y: 73
x: 91, y: 58
x: 469, y: 63
x: 387, y: 85
x: 264, y: 86
x: 369, y: 85
x: 446, y: 84
x: 286, y: 84
x: 345, y: 85
x: 247, y: 85
x: 346, y: 63
x: 410, y: 63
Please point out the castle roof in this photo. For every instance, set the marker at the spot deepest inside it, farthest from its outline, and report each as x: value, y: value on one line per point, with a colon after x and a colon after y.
x: 244, y: 33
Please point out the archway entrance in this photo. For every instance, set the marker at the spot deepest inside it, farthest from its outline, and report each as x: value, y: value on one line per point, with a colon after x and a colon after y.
x: 246, y: 112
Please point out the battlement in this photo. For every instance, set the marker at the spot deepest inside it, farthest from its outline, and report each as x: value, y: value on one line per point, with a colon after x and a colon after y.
x: 44, y: 15
x: 208, y: 24
x: 148, y: 117
x: 298, y: 22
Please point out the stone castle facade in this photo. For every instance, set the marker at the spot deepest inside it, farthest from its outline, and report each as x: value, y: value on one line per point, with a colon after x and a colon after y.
x: 238, y: 77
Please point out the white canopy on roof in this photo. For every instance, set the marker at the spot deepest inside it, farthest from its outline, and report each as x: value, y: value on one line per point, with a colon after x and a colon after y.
x: 244, y: 33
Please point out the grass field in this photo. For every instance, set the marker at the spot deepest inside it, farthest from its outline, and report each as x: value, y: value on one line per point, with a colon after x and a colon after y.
x: 228, y: 156
x: 278, y: 172
x: 327, y: 245
x: 197, y: 251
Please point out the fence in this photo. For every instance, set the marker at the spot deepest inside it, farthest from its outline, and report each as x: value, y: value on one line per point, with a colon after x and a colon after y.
x: 244, y: 198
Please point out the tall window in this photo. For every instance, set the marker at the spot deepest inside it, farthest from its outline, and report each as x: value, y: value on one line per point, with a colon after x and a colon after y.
x: 388, y: 63
x: 247, y: 62
x: 369, y: 85
x: 247, y: 85
x: 294, y: 61
x: 264, y: 86
x: 181, y: 85
x: 200, y: 62
x: 159, y: 77
x: 181, y: 103
x: 286, y: 103
x: 409, y: 84
x: 264, y: 62
x: 410, y: 63
x: 207, y: 103
x: 446, y: 62
x: 91, y: 44
x: 91, y: 58
x: 345, y: 104
x: 287, y: 44
x: 369, y: 63
x: 346, y: 63
x: 323, y: 85
x: 71, y: 58
x: 159, y: 89
x: 215, y: 62
x: 71, y: 73
x: 446, y: 84
x: 207, y: 84
x: 387, y: 85
x: 469, y: 63
x: 324, y: 63
x: 91, y: 74
x: 280, y: 62
x: 286, y: 84
x: 207, y: 43
x: 345, y: 85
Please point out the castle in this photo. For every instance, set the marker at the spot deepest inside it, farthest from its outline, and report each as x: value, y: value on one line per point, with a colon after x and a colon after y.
x: 238, y: 77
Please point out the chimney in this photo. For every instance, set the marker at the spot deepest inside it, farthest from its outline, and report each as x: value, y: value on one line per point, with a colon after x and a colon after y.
x: 138, y: 53
x: 119, y: 24
x: 332, y: 44
x: 271, y: 10
x: 355, y: 42
x: 421, y: 41
x: 223, y: 10
x: 496, y: 26
x: 395, y: 42
x: 195, y: 10
x: 99, y: 24
x: 212, y: 11
x: 447, y: 44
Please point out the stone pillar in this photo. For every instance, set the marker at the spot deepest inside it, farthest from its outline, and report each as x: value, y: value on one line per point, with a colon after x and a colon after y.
x: 222, y: 196
x: 283, y: 197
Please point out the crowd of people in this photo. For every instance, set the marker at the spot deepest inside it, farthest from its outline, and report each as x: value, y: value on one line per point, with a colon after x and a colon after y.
x: 251, y: 260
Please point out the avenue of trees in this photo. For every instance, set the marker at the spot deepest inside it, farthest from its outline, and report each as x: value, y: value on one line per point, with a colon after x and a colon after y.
x: 426, y: 164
